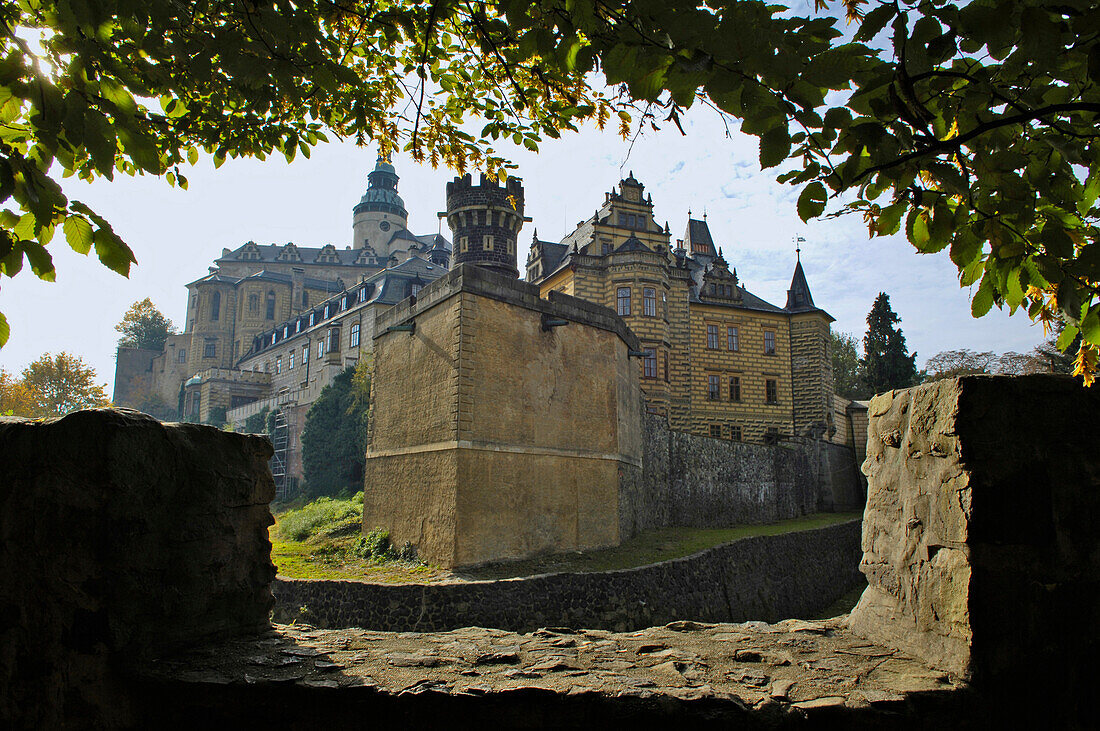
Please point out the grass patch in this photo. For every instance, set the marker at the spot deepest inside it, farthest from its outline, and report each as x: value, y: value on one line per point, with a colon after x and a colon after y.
x: 322, y: 540
x: 649, y: 547
x: 324, y: 516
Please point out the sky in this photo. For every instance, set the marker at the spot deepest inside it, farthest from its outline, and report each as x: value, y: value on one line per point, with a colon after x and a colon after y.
x: 177, y: 234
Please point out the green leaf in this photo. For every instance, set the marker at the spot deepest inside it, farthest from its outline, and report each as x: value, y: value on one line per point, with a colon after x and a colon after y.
x: 1090, y: 326
x: 812, y: 201
x: 41, y: 261
x: 5, y: 330
x: 889, y: 219
x: 1014, y: 293
x: 775, y: 145
x: 78, y: 232
x: 874, y: 22
x: 112, y: 252
x: 916, y: 229
x: 983, y: 298
x: 1056, y: 241
x: 1066, y: 338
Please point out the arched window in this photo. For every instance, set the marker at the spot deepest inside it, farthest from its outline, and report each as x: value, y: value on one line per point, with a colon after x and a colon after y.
x: 216, y: 306
x: 270, y: 305
x: 253, y: 304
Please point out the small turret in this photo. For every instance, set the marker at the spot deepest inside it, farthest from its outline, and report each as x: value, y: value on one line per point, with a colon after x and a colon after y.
x: 485, y: 221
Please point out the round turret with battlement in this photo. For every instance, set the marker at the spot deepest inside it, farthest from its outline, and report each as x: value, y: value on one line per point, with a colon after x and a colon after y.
x: 485, y: 220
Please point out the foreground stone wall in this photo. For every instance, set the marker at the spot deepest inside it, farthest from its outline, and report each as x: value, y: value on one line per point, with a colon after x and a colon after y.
x: 121, y: 538
x: 762, y: 578
x: 690, y: 480
x: 980, y: 538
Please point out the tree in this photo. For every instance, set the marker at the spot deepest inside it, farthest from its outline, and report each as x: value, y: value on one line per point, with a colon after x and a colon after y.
x: 886, y: 363
x: 257, y: 423
x: 972, y: 125
x: 15, y: 400
x: 848, y: 380
x: 334, y: 437
x: 143, y: 326
x: 56, y: 385
x: 965, y: 362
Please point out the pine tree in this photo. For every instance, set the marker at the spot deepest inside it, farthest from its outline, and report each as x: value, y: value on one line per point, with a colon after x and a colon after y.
x: 886, y: 362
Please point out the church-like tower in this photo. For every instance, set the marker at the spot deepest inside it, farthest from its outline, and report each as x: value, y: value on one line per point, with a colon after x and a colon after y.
x: 811, y: 360
x: 485, y: 220
x: 381, y: 212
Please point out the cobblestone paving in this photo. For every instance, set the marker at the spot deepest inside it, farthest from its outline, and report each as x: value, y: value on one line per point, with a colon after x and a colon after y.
x: 795, y: 667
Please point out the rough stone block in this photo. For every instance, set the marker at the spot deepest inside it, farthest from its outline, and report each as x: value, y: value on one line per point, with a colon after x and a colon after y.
x: 979, y: 538
x: 122, y: 538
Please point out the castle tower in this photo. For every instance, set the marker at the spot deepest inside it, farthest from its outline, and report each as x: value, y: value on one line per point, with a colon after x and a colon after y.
x: 811, y: 361
x: 485, y: 220
x: 380, y: 213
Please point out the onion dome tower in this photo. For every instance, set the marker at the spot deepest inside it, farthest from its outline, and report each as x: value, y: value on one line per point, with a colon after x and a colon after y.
x: 380, y: 213
x: 485, y: 221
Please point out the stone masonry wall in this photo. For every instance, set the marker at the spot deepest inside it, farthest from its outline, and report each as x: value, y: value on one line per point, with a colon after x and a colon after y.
x: 121, y: 538
x: 696, y: 481
x: 980, y: 542
x: 763, y: 578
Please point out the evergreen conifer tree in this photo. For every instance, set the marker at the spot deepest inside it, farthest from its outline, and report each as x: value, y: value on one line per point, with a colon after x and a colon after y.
x: 886, y: 362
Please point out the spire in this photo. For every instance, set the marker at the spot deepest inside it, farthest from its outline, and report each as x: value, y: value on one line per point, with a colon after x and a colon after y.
x: 799, y: 298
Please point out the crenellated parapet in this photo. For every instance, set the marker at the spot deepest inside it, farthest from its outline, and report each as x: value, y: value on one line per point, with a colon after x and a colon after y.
x: 485, y: 220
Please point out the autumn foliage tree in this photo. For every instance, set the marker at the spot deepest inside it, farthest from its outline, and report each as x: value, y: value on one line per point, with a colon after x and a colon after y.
x: 53, y: 385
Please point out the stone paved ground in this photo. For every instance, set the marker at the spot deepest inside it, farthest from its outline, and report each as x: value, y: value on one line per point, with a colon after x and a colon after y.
x: 791, y: 669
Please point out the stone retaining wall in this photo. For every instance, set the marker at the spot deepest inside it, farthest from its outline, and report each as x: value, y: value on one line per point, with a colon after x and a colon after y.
x: 762, y: 578
x: 697, y: 481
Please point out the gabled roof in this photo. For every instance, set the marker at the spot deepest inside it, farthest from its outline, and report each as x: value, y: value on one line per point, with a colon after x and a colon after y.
x: 633, y: 243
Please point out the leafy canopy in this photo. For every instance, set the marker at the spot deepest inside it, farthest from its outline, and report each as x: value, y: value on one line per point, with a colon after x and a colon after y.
x: 144, y: 326
x: 847, y: 372
x: 334, y: 435
x: 970, y: 126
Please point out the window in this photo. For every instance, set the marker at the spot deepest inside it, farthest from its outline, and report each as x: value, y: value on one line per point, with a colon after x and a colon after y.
x: 664, y: 305
x: 510, y: 245
x: 286, y: 330
x: 253, y: 303
x: 649, y: 363
x: 354, y: 341
x: 716, y: 431
x: 290, y: 361
x: 215, y: 306
x: 735, y: 388
x: 713, y: 387
x: 278, y: 365
x: 622, y: 299
x: 320, y: 349
x: 415, y: 288
x: 712, y: 337
x: 182, y: 355
x: 771, y: 436
x: 649, y: 302
x: 326, y: 313
x: 735, y: 433
x: 311, y: 319
x: 463, y: 244
x: 605, y: 248
x: 363, y: 294
x: 487, y: 243
x: 769, y: 342
x: 333, y: 340
x: 666, y: 366
x: 733, y: 339
x: 210, y: 348
x: 305, y: 354
x: 305, y: 298
x: 771, y: 391
x: 194, y: 301
x: 270, y: 306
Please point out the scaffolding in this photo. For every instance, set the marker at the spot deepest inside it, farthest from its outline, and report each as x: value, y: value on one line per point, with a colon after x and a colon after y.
x: 280, y: 439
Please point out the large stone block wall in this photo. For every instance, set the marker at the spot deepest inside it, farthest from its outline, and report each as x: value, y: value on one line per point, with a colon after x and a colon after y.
x: 980, y: 539
x: 696, y: 481
x: 122, y: 538
x: 763, y: 578
x: 493, y: 437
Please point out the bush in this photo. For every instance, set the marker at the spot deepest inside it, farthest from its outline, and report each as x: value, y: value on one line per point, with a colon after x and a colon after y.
x: 323, y: 516
x: 376, y: 544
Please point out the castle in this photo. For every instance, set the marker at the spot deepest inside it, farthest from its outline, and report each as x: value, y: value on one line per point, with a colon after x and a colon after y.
x: 270, y: 325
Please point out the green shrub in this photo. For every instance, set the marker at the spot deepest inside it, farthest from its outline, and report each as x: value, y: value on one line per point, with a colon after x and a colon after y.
x: 323, y: 516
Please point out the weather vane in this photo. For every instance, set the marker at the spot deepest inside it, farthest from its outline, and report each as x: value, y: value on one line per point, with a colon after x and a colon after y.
x: 798, y: 241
